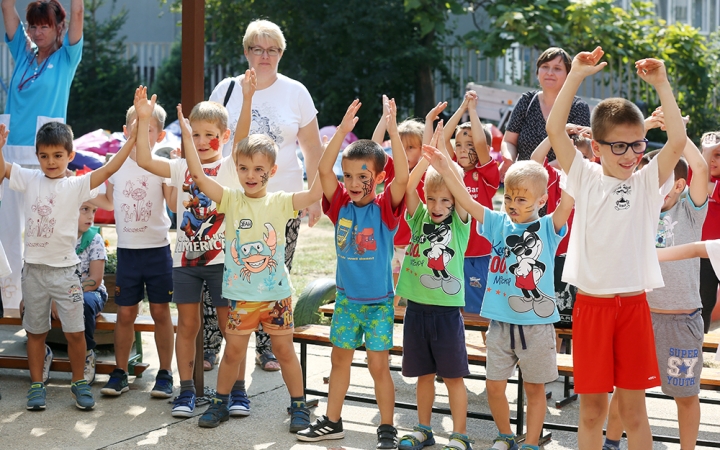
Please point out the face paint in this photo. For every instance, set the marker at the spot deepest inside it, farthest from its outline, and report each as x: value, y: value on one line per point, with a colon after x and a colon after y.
x: 473, y: 157
x: 215, y: 143
x: 364, y: 167
x: 368, y: 187
x: 264, y: 178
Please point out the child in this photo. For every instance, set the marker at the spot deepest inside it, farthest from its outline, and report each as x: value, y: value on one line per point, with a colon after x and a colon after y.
x: 364, y: 226
x: 432, y: 283
x: 51, y: 271
x: 611, y: 254
x: 711, y: 229
x: 144, y: 259
x: 255, y: 278
x: 481, y: 179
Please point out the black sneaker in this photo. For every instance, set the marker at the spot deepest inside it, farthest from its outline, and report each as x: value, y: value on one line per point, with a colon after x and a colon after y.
x: 117, y: 384
x: 322, y: 429
x: 387, y: 437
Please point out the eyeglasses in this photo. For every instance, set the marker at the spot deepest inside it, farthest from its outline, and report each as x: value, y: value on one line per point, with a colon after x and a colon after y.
x: 620, y: 148
x: 258, y: 51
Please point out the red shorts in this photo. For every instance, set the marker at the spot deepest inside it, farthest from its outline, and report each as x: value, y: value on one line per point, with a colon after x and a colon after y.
x: 613, y: 344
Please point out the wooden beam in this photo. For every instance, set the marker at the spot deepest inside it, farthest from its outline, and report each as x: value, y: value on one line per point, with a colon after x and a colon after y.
x: 193, y: 54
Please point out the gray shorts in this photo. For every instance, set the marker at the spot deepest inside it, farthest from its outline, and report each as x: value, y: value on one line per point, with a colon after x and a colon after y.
x: 531, y: 347
x: 41, y: 285
x: 678, y: 343
x: 188, y: 284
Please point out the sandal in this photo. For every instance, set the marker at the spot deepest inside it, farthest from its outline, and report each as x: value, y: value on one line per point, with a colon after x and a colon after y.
x: 419, y: 438
x: 209, y: 359
x: 459, y: 442
x: 267, y: 362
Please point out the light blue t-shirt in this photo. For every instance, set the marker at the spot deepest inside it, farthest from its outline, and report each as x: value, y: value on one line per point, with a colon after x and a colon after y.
x: 520, y: 285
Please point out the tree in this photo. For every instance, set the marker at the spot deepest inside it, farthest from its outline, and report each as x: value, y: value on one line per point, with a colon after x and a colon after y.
x: 104, y: 82
x: 167, y: 84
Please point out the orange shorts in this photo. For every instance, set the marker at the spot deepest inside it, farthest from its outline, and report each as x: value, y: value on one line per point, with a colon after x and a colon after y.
x: 276, y: 317
x: 613, y: 344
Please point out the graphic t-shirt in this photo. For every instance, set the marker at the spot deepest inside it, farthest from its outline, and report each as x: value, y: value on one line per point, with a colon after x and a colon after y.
x: 52, y: 210
x: 200, y: 228
x: 482, y: 183
x: 520, y: 284
x: 364, y: 245
x: 255, y: 257
x: 433, y: 269
x: 93, y: 252
x: 402, y: 236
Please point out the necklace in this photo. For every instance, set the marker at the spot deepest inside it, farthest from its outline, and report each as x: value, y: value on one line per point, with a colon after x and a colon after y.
x: 24, y: 81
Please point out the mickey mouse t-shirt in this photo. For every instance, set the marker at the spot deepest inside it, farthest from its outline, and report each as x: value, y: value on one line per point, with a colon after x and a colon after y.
x: 520, y: 284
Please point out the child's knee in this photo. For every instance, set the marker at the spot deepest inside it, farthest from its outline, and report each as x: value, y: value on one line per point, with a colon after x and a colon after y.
x: 75, y: 337
x: 160, y: 311
x: 341, y: 357
x: 378, y: 363
x: 496, y: 388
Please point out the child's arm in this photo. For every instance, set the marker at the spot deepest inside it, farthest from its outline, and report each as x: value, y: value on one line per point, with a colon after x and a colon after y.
x: 249, y: 85
x: 400, y: 162
x: 170, y: 194
x: 481, y: 148
x: 303, y: 199
x: 430, y: 119
x: 454, y: 121
x: 541, y: 151
x: 562, y: 212
x: 684, y: 251
x: 105, y: 201
x: 583, y: 65
x: 328, y: 180
x: 5, y: 168
x: 710, y: 144
x: 144, y: 109
x: 412, y: 199
x: 207, y: 185
x: 95, y: 275
x: 379, y: 133
x: 698, y: 184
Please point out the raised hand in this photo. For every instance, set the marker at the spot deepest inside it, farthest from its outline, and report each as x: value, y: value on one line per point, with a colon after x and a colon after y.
x: 472, y: 100
x: 4, y: 132
x: 390, y: 112
x: 437, y: 135
x: 132, y: 130
x: 652, y: 71
x: 710, y: 142
x: 435, y: 112
x: 144, y: 107
x: 184, y: 123
x: 436, y: 158
x: 249, y: 83
x: 349, y: 120
x: 588, y: 63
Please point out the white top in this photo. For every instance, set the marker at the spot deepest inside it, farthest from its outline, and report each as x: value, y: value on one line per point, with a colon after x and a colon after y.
x: 713, y: 250
x: 52, y: 210
x: 5, y: 270
x: 278, y: 111
x: 612, y: 244
x: 140, y: 217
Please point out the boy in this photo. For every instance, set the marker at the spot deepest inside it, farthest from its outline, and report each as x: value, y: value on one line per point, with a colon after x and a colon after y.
x: 51, y: 271
x: 611, y: 255
x: 364, y: 226
x: 481, y: 179
x: 255, y: 280
x: 144, y: 259
x: 432, y: 283
x: 709, y: 279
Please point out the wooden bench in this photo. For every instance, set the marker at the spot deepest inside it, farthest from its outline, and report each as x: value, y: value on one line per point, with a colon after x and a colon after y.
x: 105, y: 321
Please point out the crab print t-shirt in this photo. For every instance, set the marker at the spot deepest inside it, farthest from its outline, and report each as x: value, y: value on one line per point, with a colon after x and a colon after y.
x: 520, y: 285
x: 433, y: 269
x: 255, y: 254
x: 364, y: 245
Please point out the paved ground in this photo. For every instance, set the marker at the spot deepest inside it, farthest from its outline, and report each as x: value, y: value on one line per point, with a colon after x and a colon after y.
x: 136, y: 420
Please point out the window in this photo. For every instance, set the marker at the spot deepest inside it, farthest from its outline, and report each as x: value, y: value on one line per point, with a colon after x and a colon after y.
x: 680, y: 11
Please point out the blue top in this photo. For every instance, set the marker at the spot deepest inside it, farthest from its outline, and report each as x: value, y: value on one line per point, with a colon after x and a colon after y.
x: 520, y: 285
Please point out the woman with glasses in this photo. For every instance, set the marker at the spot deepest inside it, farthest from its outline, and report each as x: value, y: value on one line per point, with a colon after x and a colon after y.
x: 46, y: 51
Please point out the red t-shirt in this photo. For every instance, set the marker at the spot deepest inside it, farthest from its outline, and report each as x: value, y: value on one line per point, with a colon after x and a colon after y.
x: 402, y: 236
x: 554, y: 196
x: 481, y: 183
x: 711, y: 227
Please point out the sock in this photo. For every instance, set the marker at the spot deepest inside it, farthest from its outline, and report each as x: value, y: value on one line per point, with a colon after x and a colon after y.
x: 297, y: 402
x: 187, y: 385
x: 503, y: 445
x: 223, y: 398
x: 239, y: 385
x: 613, y: 444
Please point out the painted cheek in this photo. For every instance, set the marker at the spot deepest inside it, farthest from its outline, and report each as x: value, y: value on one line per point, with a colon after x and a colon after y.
x: 215, y: 143
x: 473, y: 157
x: 367, y: 187
x: 264, y: 177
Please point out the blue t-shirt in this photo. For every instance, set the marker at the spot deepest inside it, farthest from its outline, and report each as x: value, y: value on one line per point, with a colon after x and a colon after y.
x: 520, y: 284
x: 364, y: 245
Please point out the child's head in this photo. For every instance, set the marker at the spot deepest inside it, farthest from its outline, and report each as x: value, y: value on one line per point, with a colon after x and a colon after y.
x: 525, y: 191
x: 680, y: 173
x: 363, y: 164
x: 46, y: 22
x: 209, y: 123
x: 255, y: 163
x: 411, y: 134
x: 156, y: 126
x: 584, y: 145
x: 440, y: 202
x: 714, y: 163
x: 87, y: 217
x: 465, y: 147
x: 618, y: 122
x: 54, y: 148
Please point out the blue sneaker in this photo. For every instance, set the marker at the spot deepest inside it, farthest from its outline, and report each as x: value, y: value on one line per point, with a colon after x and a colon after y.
x: 36, y: 397
x: 117, y: 384
x: 163, y: 385
x: 299, y: 417
x: 83, y: 395
x: 184, y: 404
x: 217, y: 412
x: 240, y: 404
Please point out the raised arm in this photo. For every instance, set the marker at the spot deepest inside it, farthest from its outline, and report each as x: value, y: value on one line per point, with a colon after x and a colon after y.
x: 312, y: 150
x: 378, y: 135
x: 5, y: 168
x: 400, y: 162
x: 412, y: 199
x: 11, y: 18
x: 478, y: 132
x: 684, y: 251
x: 430, y: 119
x: 541, y: 151
x: 698, y: 184
x: 144, y: 109
x: 248, y: 85
x: 562, y: 212
x: 207, y: 185
x: 454, y: 121
x: 326, y: 174
x: 77, y: 18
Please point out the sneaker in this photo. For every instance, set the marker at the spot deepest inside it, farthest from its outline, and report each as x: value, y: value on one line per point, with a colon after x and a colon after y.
x: 83, y: 395
x: 117, y: 384
x: 90, y: 366
x: 36, y: 397
x: 240, y: 404
x: 184, y: 404
x: 419, y: 438
x: 387, y: 437
x: 459, y: 441
x: 299, y: 417
x: 163, y: 385
x: 217, y: 412
x: 322, y: 429
x: 46, y: 364
x: 504, y: 443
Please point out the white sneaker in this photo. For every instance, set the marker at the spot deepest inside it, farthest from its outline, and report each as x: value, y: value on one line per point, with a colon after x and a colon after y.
x: 46, y: 364
x: 90, y: 366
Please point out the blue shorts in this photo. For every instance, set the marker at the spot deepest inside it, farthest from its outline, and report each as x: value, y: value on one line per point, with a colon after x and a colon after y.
x: 140, y: 269
x: 476, y: 273
x: 353, y: 321
x: 188, y: 284
x: 434, y: 341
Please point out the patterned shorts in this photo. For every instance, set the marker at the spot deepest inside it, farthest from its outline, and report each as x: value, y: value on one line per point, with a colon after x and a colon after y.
x: 353, y: 321
x: 276, y: 317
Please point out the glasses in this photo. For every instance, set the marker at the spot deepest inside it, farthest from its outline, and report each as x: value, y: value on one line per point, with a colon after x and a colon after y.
x: 258, y: 51
x: 620, y: 148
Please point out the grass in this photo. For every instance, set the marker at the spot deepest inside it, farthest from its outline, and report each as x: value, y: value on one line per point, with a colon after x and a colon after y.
x: 314, y: 256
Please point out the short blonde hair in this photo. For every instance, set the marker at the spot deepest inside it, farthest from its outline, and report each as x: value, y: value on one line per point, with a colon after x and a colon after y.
x: 527, y: 175
x: 411, y: 129
x: 256, y: 144
x: 211, y: 112
x: 263, y: 29
x: 158, y: 114
x: 435, y: 181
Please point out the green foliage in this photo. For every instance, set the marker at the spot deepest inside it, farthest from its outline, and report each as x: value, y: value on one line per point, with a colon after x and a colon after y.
x: 167, y: 84
x: 105, y: 81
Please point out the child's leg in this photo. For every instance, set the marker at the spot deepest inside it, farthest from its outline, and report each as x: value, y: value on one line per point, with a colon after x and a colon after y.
x: 76, y: 353
x: 235, y: 350
x: 384, y: 386
x: 593, y: 411
x: 633, y: 413
x: 341, y: 360
x: 129, y: 292
x: 124, y: 333
x: 425, y: 395
x: 536, y: 407
x: 289, y: 363
x: 187, y: 330
x: 499, y: 406
x: 459, y: 403
x: 159, y: 286
x: 36, y: 355
x: 164, y: 333
x: 614, y: 429
x: 688, y: 420
x: 93, y: 302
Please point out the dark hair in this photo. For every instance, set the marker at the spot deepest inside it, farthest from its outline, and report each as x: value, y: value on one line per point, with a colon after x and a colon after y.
x: 365, y: 149
x: 681, y: 168
x: 612, y: 112
x: 47, y: 12
x: 54, y: 134
x: 552, y: 53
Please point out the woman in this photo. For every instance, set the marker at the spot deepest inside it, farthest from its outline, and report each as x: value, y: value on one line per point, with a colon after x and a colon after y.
x: 283, y: 110
x: 526, y: 128
x: 46, y: 55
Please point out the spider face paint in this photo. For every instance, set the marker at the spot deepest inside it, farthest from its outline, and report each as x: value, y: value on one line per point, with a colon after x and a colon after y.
x: 359, y: 180
x: 368, y: 186
x: 254, y: 174
x: 264, y: 178
x: 465, y: 149
x: 522, y: 205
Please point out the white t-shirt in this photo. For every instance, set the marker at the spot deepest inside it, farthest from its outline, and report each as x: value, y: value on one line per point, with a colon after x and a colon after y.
x: 140, y: 217
x: 200, y: 228
x: 713, y: 250
x: 612, y: 244
x: 52, y: 210
x: 5, y: 270
x: 278, y: 111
